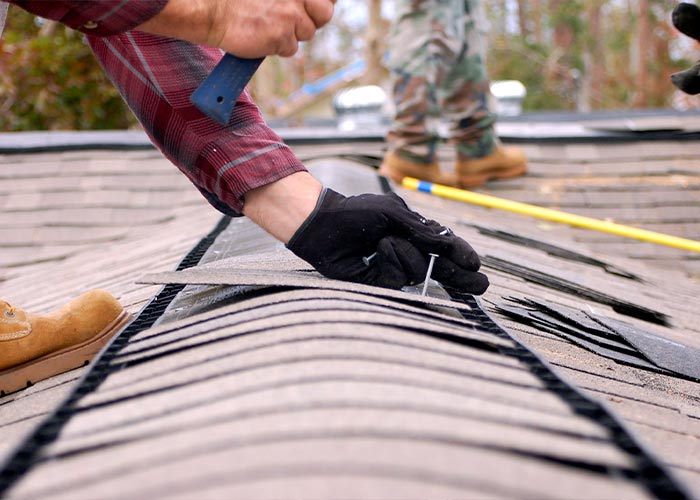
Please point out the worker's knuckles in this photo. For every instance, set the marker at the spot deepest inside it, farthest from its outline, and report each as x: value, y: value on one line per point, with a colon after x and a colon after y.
x: 319, y: 11
x: 305, y: 29
x: 286, y: 28
x: 303, y: 17
x: 463, y: 255
x: 288, y: 48
x: 283, y: 40
x: 454, y: 276
x: 398, y: 253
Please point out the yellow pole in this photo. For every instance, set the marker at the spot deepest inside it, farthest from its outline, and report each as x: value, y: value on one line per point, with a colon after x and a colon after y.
x: 552, y: 215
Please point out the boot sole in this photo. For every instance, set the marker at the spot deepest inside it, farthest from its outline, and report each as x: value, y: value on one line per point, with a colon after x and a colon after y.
x: 463, y: 181
x: 475, y: 180
x: 390, y: 174
x: 55, y: 363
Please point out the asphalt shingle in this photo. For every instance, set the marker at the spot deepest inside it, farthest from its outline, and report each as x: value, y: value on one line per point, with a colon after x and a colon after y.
x: 280, y: 397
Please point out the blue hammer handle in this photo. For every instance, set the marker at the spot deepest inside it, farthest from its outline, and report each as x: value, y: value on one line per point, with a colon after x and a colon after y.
x: 216, y: 96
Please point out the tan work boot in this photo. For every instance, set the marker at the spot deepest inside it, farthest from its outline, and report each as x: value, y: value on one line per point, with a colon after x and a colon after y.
x: 503, y: 163
x: 34, y: 347
x: 396, y: 168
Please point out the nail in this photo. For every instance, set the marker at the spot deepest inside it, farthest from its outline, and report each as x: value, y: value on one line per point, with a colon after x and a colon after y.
x: 433, y: 256
x: 368, y: 260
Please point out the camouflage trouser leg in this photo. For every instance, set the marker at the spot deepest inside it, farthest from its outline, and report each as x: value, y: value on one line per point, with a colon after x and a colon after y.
x: 438, y: 72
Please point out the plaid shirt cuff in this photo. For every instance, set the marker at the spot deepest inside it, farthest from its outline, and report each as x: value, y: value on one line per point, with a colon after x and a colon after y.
x: 96, y: 17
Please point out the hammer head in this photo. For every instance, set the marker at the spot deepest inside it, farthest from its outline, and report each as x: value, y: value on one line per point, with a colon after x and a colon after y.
x: 216, y: 96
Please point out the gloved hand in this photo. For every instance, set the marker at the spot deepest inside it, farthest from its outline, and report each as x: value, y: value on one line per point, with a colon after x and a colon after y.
x: 342, y: 230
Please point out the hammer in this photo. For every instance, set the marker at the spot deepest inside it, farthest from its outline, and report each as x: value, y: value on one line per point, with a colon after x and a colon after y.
x: 216, y: 96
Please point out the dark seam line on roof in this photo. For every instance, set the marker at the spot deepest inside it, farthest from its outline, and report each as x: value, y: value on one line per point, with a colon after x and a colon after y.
x: 633, y: 360
x: 629, y: 398
x: 471, y: 485
x: 571, y: 288
x: 623, y: 396
x: 208, y: 326
x: 559, y: 313
x: 152, y: 375
x: 305, y: 359
x: 468, y: 341
x: 622, y: 353
x: 287, y: 279
x: 603, y: 343
x: 224, y: 356
x: 213, y: 334
x: 564, y: 366
x: 33, y: 394
x: 427, y: 409
x: 552, y: 250
x: 171, y: 457
x: 141, y: 143
x: 571, y: 327
x: 375, y: 380
x: 380, y: 303
x: 649, y: 472
x: 642, y: 423
x: 23, y: 419
x: 233, y: 321
x: 311, y: 469
x: 617, y: 138
x: 686, y: 468
x: 480, y: 344
x: 592, y: 332
x: 24, y: 456
x: 235, y: 417
x: 61, y: 148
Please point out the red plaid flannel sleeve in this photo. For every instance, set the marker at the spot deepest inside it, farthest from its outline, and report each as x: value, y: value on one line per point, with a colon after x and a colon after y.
x: 156, y: 77
x: 95, y: 17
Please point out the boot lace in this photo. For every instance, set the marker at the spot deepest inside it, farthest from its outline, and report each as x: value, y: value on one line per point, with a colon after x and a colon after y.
x: 9, y: 309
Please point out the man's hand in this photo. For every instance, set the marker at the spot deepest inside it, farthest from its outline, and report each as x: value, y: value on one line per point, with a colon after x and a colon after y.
x: 342, y: 230
x: 245, y: 28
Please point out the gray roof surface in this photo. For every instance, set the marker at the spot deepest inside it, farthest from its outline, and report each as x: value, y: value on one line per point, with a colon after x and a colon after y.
x: 48, y: 260
x: 337, y: 390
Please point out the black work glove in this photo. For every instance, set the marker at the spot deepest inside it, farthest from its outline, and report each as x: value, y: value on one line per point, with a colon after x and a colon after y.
x: 686, y: 19
x: 342, y: 230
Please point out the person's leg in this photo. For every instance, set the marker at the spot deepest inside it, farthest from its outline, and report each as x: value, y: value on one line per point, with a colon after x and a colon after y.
x: 412, y: 78
x: 464, y: 92
x: 466, y: 102
x: 414, y: 62
x: 156, y: 77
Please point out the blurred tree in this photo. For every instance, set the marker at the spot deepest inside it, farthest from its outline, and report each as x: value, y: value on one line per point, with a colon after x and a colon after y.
x: 643, y: 50
x: 50, y: 80
x: 652, y: 49
x: 593, y: 78
x: 585, y: 54
x: 375, y: 44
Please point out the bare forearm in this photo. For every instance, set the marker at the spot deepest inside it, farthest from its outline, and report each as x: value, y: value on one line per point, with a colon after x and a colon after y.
x: 190, y: 20
x: 246, y: 28
x: 282, y: 206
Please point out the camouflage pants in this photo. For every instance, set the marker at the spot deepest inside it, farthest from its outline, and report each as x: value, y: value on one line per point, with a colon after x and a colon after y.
x: 438, y: 74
